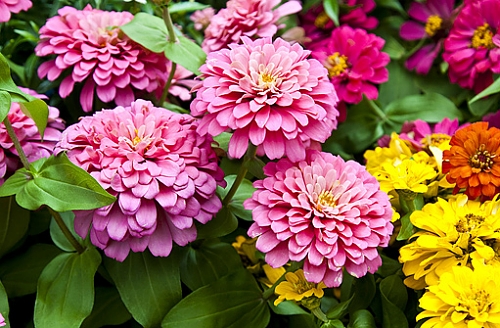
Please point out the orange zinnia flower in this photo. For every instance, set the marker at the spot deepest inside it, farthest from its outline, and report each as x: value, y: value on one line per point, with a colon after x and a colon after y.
x: 473, y: 161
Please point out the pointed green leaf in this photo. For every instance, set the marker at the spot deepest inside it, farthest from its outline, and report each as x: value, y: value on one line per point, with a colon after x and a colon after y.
x: 401, y: 83
x: 108, y: 309
x: 186, y: 6
x: 394, y: 297
x: 222, y: 224
x: 362, y: 319
x: 15, y: 183
x: 147, y: 30
x: 186, y: 53
x: 234, y: 301
x: 5, y: 101
x: 491, y: 89
x: 339, y: 310
x: 6, y: 82
x: 332, y: 10
x: 38, y: 111
x: 149, y: 286
x: 14, y: 223
x: 65, y: 293
x: 57, y: 235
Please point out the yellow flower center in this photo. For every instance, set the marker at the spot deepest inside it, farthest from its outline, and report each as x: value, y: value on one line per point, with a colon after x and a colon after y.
x: 478, y: 302
x: 433, y: 25
x: 336, y: 64
x: 325, y: 199
x: 470, y: 223
x: 321, y: 20
x: 435, y: 139
x: 483, y: 37
x: 482, y: 160
x: 266, y: 81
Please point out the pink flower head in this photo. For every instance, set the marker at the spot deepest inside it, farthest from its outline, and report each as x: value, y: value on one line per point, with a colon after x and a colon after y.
x: 27, y: 133
x: 202, y: 18
x: 472, y: 48
x: 493, y: 119
x: 323, y: 210
x: 422, y: 134
x: 89, y: 44
x: 2, y: 321
x: 355, y: 63
x: 432, y: 21
x: 163, y: 173
x: 268, y: 93
x: 251, y: 18
x: 12, y: 6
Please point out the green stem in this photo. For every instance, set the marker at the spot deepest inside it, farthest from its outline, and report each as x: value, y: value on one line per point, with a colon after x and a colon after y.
x: 171, y: 38
x: 320, y: 314
x: 164, y: 95
x: 249, y: 156
x: 17, y: 144
x: 57, y: 217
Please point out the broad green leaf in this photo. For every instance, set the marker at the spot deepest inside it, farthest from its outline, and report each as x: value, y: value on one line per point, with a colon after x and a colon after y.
x: 491, y: 89
x: 57, y: 183
x: 393, y: 48
x: 407, y: 229
x: 222, y: 140
x: 38, y: 111
x: 389, y: 266
x: 332, y: 10
x: 207, y: 262
x: 147, y: 30
x: 335, y: 323
x: 394, y: 297
x: 19, y: 275
x: 5, y: 101
x: 435, y: 82
x: 339, y: 310
x: 234, y: 301
x: 364, y: 292
x: 186, y: 53
x: 482, y: 106
x: 302, y: 321
x: 57, y: 235
x: 65, y: 293
x: 4, y: 305
x: 244, y: 192
x: 108, y: 309
x: 14, y: 223
x: 186, y: 6
x: 149, y: 286
x: 287, y: 308
x: 6, y: 82
x: 401, y: 83
x: 362, y: 319
x: 221, y: 225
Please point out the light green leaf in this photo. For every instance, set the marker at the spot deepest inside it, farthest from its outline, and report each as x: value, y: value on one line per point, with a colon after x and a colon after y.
x: 491, y: 89
x: 332, y: 10
x: 14, y: 223
x: 207, y: 262
x: 149, y: 286
x: 19, y: 275
x: 5, y: 101
x: 147, y: 30
x: 38, y: 111
x: 287, y: 308
x: 186, y: 53
x: 234, y: 301
x: 65, y: 293
x: 186, y: 6
x: 108, y: 309
x: 57, y: 235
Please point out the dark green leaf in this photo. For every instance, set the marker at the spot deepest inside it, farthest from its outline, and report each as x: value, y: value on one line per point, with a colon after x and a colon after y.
x: 302, y: 321
x: 5, y: 101
x: 335, y: 323
x: 147, y: 30
x: 57, y: 235
x: 186, y: 6
x: 287, y: 308
x: 400, y: 84
x: 407, y: 229
x: 65, y: 293
x: 20, y: 274
x: 207, y: 262
x: 364, y: 292
x: 186, y: 53
x: 235, y: 301
x: 389, y: 266
x: 14, y: 222
x: 149, y: 286
x: 362, y: 319
x: 483, y: 106
x: 394, y: 297
x: 108, y: 309
x: 339, y: 310
x: 222, y: 224
x: 392, y: 4
x: 332, y: 10
x: 491, y: 89
x: 435, y: 82
x: 4, y: 305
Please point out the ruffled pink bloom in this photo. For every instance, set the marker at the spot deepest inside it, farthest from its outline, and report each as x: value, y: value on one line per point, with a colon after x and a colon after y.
x: 27, y: 133
x: 325, y: 211
x: 268, y: 93
x: 7, y: 7
x: 432, y: 20
x: 202, y: 18
x: 472, y: 49
x: 89, y: 44
x: 355, y: 63
x: 163, y: 173
x: 251, y: 18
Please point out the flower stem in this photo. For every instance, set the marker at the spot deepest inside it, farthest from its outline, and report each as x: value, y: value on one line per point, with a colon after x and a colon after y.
x: 57, y: 217
x: 249, y: 156
x: 320, y: 314
x: 17, y: 144
x: 164, y: 95
x: 171, y: 38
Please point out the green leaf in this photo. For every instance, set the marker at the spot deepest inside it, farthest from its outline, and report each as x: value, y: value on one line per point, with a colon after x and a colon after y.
x: 19, y: 275
x: 482, y: 106
x: 38, y: 111
x: 207, y: 262
x: 57, y: 235
x: 339, y: 310
x: 147, y: 30
x: 149, y: 286
x: 332, y: 10
x: 491, y: 89
x: 234, y: 301
x: 14, y: 223
x: 186, y: 53
x: 389, y: 266
x: 302, y: 321
x: 394, y: 297
x: 393, y: 48
x: 362, y: 319
x: 6, y: 82
x: 364, y: 292
x: 4, y: 305
x: 244, y: 192
x: 400, y: 84
x: 287, y: 308
x: 222, y: 224
x: 57, y: 183
x: 5, y: 102
x: 407, y: 230
x: 392, y: 4
x: 65, y: 293
x: 108, y: 309
x: 186, y: 6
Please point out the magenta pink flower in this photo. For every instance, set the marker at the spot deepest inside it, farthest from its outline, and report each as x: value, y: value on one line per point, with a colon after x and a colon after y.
x: 2, y: 321
x: 354, y: 61
x: 12, y: 6
x: 325, y: 211
x: 472, y: 48
x: 251, y: 18
x: 27, y: 133
x: 90, y: 46
x: 163, y: 173
x: 493, y: 119
x: 432, y: 21
x: 202, y: 18
x: 268, y: 93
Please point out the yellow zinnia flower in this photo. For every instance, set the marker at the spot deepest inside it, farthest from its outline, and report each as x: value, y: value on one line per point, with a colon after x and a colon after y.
x: 452, y: 233
x: 398, y: 149
x: 463, y: 298
x: 247, y: 251
x: 297, y: 288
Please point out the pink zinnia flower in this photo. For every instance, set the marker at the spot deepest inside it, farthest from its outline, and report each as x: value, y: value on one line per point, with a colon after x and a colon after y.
x: 27, y: 133
x: 472, y: 48
x: 325, y: 211
x: 202, y: 18
x: 12, y: 6
x: 89, y: 44
x: 355, y: 63
x: 493, y: 119
x: 251, y: 18
x: 163, y: 173
x: 432, y: 21
x: 268, y: 93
